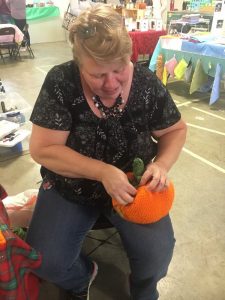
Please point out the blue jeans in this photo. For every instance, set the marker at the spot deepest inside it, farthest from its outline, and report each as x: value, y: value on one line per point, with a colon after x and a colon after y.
x: 58, y: 229
x: 5, y: 19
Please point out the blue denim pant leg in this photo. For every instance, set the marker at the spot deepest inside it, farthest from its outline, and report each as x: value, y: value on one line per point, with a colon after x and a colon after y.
x: 5, y: 19
x: 149, y: 249
x: 57, y: 229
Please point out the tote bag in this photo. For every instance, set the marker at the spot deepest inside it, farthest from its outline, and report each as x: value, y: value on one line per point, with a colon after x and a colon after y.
x: 68, y: 19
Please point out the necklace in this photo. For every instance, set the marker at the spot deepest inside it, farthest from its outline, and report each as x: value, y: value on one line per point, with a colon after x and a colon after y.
x: 105, y: 111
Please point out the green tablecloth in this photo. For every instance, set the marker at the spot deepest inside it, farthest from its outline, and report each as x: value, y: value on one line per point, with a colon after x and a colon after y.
x: 34, y: 13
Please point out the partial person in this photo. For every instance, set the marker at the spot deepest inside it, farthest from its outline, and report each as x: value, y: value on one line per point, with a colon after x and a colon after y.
x: 5, y: 15
x: 18, y: 13
x: 93, y: 116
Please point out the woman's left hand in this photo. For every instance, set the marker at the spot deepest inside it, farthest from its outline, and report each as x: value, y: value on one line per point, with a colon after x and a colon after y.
x: 155, y: 177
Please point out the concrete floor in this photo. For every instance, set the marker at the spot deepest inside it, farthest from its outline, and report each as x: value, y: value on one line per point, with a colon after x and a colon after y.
x: 197, y: 271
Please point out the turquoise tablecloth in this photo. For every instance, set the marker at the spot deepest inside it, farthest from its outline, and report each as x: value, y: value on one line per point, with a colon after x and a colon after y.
x: 209, y: 52
x: 35, y: 13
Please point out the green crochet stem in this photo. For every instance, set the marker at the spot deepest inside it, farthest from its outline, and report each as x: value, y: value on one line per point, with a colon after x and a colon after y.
x: 138, y: 170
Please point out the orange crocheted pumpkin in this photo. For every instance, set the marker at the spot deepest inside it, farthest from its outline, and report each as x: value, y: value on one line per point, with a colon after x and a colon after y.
x: 147, y: 207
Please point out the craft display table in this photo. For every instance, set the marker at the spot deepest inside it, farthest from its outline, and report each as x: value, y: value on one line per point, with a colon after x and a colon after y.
x: 205, y: 47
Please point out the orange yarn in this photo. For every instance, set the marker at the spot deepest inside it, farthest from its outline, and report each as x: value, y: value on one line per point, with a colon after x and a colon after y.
x: 2, y: 241
x: 147, y: 207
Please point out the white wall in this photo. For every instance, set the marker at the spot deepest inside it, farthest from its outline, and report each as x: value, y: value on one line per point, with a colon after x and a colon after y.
x: 62, y: 4
x: 49, y: 30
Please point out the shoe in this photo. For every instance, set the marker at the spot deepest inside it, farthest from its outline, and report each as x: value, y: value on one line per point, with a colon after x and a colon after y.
x: 84, y: 295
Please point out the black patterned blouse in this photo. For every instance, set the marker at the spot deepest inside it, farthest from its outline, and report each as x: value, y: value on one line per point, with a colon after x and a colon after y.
x: 61, y: 105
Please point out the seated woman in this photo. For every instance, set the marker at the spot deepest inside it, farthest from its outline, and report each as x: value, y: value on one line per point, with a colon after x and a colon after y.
x: 93, y: 116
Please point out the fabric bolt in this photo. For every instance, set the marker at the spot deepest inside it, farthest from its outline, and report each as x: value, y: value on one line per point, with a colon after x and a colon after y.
x: 17, y: 261
x: 164, y: 42
x: 156, y: 53
x: 188, y: 72
x: 160, y: 66
x: 180, y: 69
x: 165, y: 76
x: 199, y: 77
x: 215, y: 94
x: 117, y: 140
x: 170, y: 65
x: 207, y: 86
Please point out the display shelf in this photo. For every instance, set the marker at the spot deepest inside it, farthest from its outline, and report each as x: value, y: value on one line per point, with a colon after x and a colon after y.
x: 177, y: 15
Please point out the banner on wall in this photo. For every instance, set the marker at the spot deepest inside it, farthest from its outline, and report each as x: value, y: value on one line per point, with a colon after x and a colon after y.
x: 218, y: 23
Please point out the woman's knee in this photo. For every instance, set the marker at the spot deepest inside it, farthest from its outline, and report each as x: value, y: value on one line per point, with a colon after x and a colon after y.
x: 154, y: 255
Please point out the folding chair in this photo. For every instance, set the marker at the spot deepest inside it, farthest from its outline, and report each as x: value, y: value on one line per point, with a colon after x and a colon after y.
x: 101, y: 224
x: 7, y: 42
x: 26, y: 42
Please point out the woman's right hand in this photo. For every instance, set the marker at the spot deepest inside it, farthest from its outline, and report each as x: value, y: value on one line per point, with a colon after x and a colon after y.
x: 117, y: 185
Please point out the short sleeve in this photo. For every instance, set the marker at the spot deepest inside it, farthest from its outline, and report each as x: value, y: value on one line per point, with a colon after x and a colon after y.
x: 51, y: 109
x: 164, y: 112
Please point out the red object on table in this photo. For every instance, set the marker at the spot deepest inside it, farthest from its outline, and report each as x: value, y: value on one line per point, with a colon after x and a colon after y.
x: 144, y: 42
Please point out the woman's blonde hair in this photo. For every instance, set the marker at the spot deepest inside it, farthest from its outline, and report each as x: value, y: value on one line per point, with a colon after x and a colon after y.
x: 99, y: 33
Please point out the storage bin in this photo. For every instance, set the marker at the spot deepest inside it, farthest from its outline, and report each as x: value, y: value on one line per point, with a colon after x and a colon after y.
x: 11, y: 151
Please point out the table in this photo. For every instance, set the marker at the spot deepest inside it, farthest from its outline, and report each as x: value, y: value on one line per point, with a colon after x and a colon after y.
x: 205, y: 47
x: 144, y: 42
x: 18, y: 36
x: 34, y: 13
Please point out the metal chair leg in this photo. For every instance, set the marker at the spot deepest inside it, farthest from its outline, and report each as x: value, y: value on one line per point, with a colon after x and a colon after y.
x: 2, y: 57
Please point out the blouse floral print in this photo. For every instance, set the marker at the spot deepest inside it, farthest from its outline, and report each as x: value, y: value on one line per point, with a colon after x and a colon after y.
x: 117, y: 140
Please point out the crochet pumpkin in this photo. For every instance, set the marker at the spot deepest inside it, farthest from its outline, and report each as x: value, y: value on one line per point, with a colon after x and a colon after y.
x: 148, y: 206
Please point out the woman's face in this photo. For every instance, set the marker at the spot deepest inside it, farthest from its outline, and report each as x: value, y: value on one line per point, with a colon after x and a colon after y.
x: 105, y: 80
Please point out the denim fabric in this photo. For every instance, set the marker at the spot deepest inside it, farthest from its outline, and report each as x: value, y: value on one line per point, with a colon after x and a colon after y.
x: 5, y: 19
x: 58, y: 229
x: 149, y: 249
